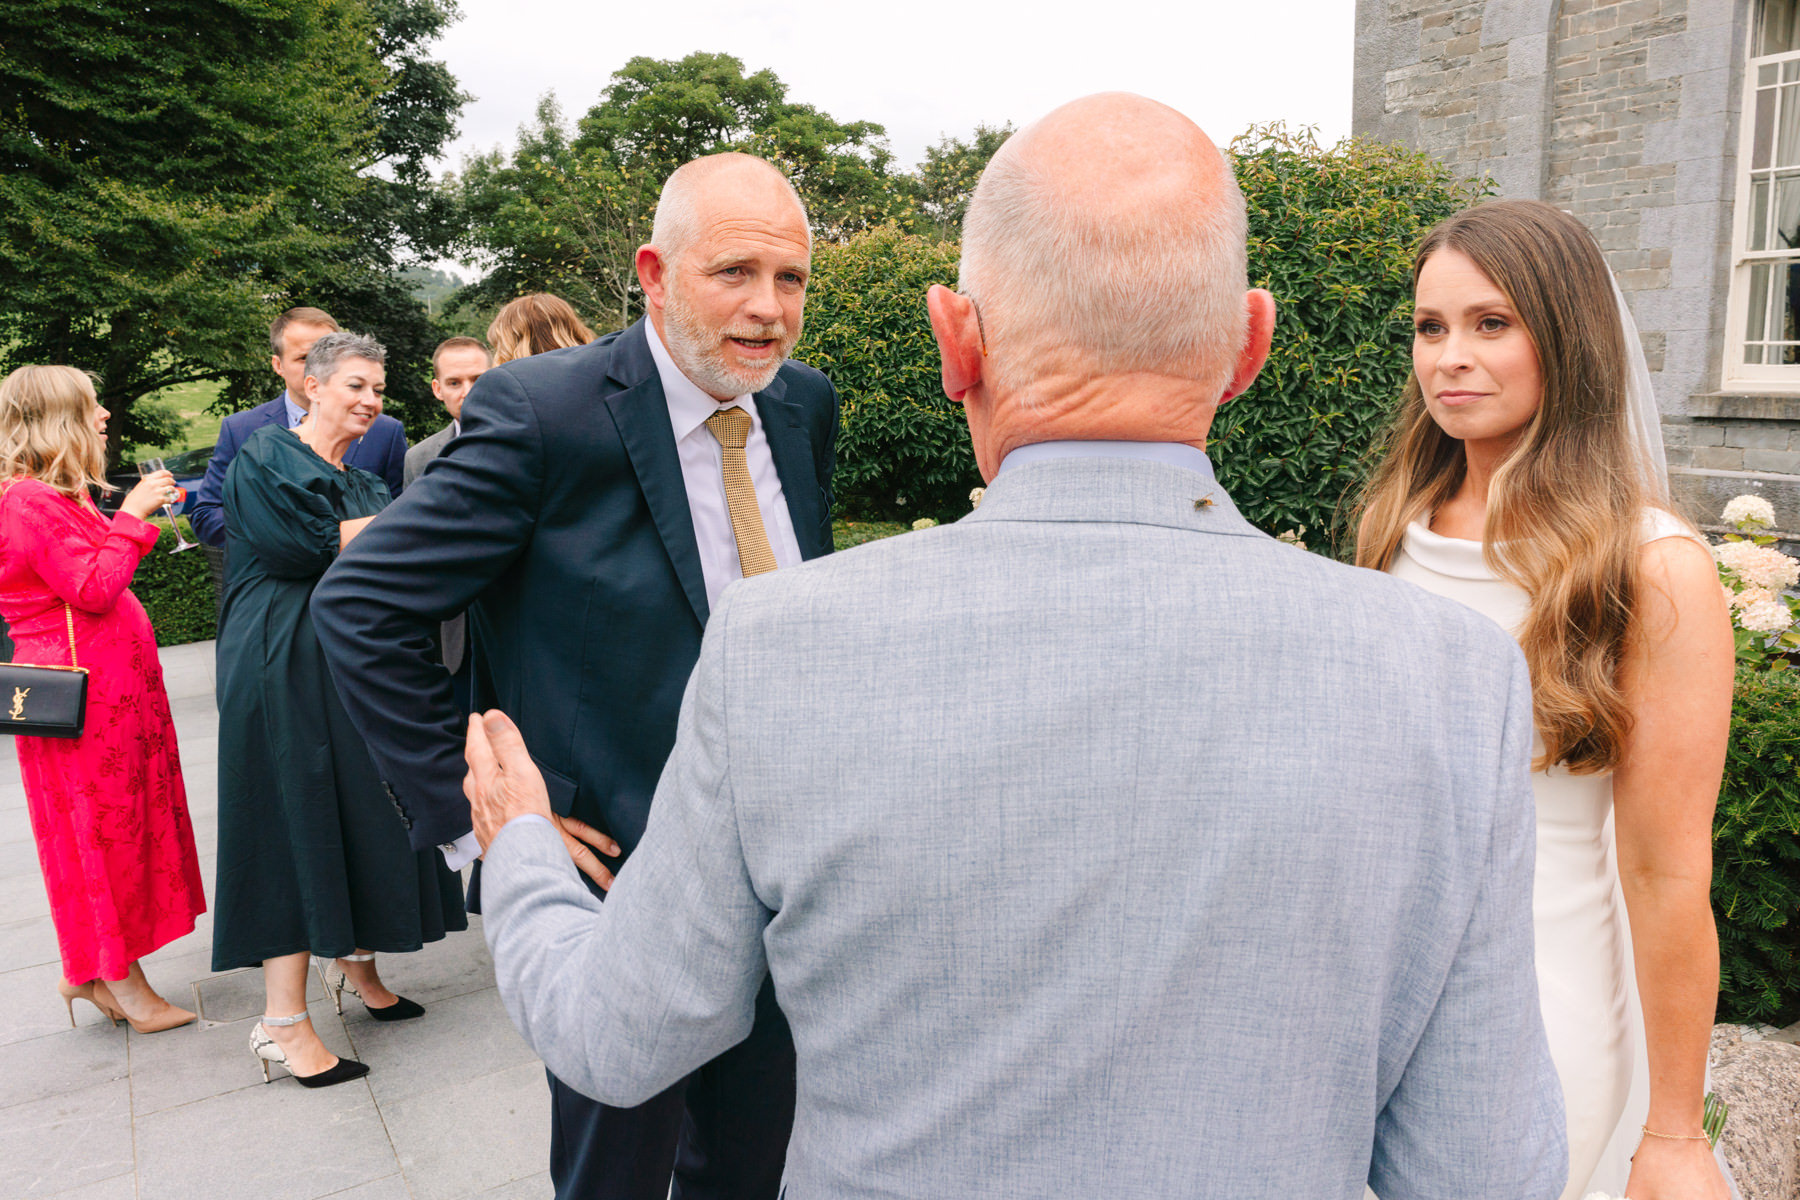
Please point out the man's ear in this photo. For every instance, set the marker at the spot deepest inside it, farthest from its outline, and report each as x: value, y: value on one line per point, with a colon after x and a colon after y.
x: 1259, y: 307
x: 652, y: 274
x: 275, y: 363
x: 958, y: 331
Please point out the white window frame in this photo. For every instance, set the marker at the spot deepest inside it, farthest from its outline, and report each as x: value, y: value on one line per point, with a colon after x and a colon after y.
x: 1739, y: 375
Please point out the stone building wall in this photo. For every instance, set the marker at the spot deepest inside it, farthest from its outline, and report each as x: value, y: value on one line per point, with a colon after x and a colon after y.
x: 1623, y: 112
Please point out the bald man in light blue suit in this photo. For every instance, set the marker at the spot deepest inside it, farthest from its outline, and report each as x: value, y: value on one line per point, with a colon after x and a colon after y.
x: 1098, y: 844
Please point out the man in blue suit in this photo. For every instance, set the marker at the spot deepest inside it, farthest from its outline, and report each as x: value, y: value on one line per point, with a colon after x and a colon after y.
x: 598, y: 501
x: 381, y: 451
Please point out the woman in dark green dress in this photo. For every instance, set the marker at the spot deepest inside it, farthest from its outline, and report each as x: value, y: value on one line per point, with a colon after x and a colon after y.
x: 312, y: 858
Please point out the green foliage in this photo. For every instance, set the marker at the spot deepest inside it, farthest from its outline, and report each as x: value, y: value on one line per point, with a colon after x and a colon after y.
x: 1756, y: 853
x: 1332, y: 236
x: 163, y: 167
x: 177, y: 173
x: 903, y: 451
x: 947, y: 178
x: 176, y: 591
x: 552, y: 218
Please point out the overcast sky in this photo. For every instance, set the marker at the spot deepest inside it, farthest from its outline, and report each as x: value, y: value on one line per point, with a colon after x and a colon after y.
x: 923, y: 70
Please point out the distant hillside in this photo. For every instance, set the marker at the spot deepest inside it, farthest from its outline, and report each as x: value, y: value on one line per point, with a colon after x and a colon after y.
x: 431, y: 287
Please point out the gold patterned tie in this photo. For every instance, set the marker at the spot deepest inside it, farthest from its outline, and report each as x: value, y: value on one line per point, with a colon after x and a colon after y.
x: 732, y: 426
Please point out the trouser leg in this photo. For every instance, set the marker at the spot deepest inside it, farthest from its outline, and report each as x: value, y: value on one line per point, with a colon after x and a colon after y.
x: 598, y: 1152
x: 740, y: 1112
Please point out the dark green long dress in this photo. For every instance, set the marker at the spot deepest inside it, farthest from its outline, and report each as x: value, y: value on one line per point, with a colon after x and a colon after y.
x: 312, y: 854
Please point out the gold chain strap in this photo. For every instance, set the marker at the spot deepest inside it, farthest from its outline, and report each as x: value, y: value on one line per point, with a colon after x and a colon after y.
x: 70, y: 614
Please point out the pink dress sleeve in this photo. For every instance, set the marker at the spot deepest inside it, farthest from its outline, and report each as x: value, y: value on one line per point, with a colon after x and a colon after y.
x: 58, y: 541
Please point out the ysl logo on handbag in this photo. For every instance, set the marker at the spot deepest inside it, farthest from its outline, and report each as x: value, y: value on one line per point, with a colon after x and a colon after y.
x: 18, y: 705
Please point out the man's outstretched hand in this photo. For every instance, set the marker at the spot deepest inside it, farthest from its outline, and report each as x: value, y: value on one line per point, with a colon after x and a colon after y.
x: 502, y: 783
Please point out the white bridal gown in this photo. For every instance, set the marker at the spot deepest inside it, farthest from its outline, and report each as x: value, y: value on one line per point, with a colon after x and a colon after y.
x: 1586, y: 986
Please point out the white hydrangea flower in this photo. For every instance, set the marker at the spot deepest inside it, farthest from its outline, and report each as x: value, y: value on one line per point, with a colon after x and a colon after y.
x: 1766, y: 616
x: 1752, y: 595
x: 975, y: 495
x: 924, y: 523
x: 1758, y: 566
x: 1750, y: 510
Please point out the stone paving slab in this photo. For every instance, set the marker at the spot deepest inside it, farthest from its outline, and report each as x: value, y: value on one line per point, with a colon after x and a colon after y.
x: 455, y: 1106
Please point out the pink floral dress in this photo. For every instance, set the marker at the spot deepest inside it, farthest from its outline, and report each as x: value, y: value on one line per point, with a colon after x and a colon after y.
x: 108, y: 808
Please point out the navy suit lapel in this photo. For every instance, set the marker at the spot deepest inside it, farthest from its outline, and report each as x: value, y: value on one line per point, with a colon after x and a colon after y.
x: 641, y: 414
x: 792, y: 452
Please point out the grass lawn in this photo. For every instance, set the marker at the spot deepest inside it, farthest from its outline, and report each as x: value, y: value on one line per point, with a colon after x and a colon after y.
x: 189, y: 400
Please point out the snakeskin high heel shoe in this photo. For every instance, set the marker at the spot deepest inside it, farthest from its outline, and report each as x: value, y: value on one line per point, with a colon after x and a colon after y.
x: 337, y: 983
x: 268, y: 1052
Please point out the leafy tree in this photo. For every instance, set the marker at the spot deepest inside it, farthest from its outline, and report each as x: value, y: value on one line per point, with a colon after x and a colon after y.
x: 163, y: 166
x: 171, y: 174
x: 551, y: 218
x: 947, y: 178
x: 565, y: 210
x: 394, y: 217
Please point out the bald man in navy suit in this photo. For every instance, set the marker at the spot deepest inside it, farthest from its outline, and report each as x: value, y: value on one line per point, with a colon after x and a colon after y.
x: 597, y: 502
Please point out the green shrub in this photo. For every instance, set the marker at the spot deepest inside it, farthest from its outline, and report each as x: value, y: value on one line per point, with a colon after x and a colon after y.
x: 903, y: 452
x: 177, y: 591
x: 1756, y: 853
x: 1332, y: 236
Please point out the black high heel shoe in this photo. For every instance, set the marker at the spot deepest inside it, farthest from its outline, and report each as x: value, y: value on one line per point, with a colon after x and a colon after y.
x: 268, y: 1051
x: 337, y: 983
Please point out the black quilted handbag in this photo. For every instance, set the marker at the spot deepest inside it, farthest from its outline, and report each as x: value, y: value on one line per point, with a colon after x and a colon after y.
x: 44, y: 701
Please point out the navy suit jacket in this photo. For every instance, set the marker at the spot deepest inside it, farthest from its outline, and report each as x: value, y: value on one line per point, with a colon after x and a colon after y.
x: 381, y: 451
x: 560, y: 520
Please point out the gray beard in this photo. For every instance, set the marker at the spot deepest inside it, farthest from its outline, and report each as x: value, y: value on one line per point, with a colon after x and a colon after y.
x: 703, y: 360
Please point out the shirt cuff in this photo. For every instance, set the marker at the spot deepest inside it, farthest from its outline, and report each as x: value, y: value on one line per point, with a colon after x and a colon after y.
x: 465, y: 849
x: 460, y: 853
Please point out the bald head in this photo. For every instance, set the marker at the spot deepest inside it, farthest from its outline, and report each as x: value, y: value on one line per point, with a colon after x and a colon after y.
x: 703, y: 191
x: 1108, y: 238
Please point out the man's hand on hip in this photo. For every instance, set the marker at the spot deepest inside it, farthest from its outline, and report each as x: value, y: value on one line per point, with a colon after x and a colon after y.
x: 502, y: 783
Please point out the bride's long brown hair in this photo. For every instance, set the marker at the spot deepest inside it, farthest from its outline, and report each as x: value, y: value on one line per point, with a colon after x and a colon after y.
x: 1565, y: 504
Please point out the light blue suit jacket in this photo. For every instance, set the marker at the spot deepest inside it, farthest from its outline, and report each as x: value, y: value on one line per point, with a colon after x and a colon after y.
x: 1098, y: 845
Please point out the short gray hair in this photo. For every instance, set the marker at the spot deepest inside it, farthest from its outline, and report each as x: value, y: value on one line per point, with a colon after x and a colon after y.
x: 330, y: 352
x: 1152, y: 287
x: 676, y: 225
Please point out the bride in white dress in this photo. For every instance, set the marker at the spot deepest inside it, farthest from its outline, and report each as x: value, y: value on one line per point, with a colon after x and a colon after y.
x: 1520, y: 480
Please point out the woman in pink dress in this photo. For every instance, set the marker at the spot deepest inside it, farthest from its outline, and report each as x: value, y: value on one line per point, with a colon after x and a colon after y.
x: 108, y: 808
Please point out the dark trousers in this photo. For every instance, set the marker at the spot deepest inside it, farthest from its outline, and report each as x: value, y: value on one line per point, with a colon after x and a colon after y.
x: 722, y: 1132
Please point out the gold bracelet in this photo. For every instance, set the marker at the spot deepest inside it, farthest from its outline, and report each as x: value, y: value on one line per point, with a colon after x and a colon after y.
x: 1677, y: 1137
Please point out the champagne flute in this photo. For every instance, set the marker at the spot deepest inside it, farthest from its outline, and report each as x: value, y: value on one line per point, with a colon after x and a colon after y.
x: 151, y: 466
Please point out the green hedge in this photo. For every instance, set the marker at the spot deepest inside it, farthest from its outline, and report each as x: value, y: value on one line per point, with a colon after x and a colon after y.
x: 177, y: 591
x: 1756, y: 853
x: 903, y: 451
x: 1332, y: 236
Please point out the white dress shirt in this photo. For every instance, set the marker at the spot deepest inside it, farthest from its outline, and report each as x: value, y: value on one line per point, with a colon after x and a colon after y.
x: 702, y: 472
x: 702, y: 460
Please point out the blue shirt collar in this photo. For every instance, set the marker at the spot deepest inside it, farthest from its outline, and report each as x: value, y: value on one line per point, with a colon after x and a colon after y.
x: 294, y: 412
x: 1174, y: 454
